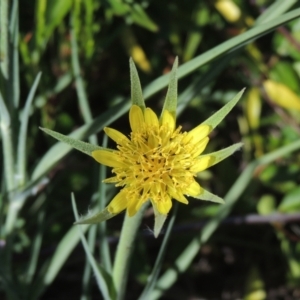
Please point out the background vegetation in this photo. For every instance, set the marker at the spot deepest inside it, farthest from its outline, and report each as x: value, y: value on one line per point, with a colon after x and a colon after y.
x: 64, y: 66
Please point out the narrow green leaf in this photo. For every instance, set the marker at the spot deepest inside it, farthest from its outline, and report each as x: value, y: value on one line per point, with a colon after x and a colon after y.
x: 21, y: 154
x: 104, y: 280
x: 208, y: 196
x: 119, y: 8
x: 40, y: 9
x: 79, y: 82
x: 79, y: 145
x: 140, y: 17
x: 87, y: 274
x: 4, y: 114
x: 152, y: 278
x: 158, y: 221
x: 171, y: 98
x: 89, y: 41
x: 290, y: 202
x: 7, y: 144
x: 105, y: 256
x: 36, y: 245
x: 58, y: 259
x: 4, y: 42
x: 136, y: 90
x: 134, y: 11
x: 56, y: 10
x: 96, y: 218
x: 59, y: 150
x: 228, y: 46
x: 217, y: 117
x: 14, y: 81
x: 218, y: 156
x: 275, y: 10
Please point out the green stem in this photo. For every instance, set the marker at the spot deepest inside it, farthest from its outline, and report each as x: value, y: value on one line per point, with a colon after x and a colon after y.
x: 5, y: 124
x: 87, y: 273
x: 8, y: 157
x: 124, y: 251
x: 104, y: 246
x: 4, y: 37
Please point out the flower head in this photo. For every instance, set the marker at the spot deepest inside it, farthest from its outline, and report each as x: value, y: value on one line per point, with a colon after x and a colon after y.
x: 157, y: 161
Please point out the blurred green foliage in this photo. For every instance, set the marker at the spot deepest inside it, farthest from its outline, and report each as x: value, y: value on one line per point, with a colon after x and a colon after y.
x: 40, y: 253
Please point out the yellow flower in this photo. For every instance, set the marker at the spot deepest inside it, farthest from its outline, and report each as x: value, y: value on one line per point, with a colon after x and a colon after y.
x: 157, y: 162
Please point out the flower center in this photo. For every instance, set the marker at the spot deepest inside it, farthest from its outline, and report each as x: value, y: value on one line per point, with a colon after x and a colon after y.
x: 155, y: 155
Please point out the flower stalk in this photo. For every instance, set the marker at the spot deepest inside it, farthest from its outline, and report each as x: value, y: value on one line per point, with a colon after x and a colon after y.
x: 124, y: 251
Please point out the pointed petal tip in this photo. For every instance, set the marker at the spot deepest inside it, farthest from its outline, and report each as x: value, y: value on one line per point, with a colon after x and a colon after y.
x: 208, y: 196
x: 175, y: 64
x: 158, y: 226
x: 156, y: 234
x: 95, y: 218
x: 159, y: 220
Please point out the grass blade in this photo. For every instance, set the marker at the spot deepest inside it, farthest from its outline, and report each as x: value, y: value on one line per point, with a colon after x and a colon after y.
x: 98, y: 270
x: 275, y: 10
x: 14, y: 81
x: 81, y: 93
x: 104, y: 246
x: 228, y: 46
x: 159, y: 259
x: 21, y: 151
x: 61, y: 254
x: 4, y: 38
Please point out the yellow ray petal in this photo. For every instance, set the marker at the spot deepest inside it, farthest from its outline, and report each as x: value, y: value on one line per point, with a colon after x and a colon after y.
x: 202, y: 163
x: 116, y: 135
x: 177, y: 195
x: 216, y: 157
x: 197, y: 134
x: 118, y: 203
x: 111, y: 180
x: 107, y: 158
x: 168, y: 119
x: 132, y: 207
x: 140, y: 203
x: 151, y: 117
x: 200, y: 147
x: 136, y: 118
x: 193, y: 189
x: 163, y: 206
